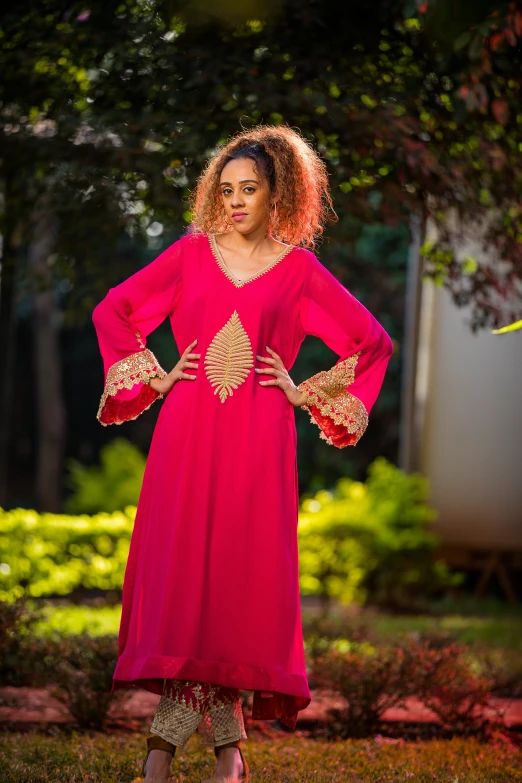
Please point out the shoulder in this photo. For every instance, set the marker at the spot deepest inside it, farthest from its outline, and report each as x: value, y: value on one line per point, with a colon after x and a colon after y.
x: 187, y: 244
x: 190, y: 239
x: 305, y: 256
x: 310, y: 261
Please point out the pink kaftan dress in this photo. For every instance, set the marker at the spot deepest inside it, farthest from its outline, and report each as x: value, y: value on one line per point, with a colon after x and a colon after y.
x: 211, y: 590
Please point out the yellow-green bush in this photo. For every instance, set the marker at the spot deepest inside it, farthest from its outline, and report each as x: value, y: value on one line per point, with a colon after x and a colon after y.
x: 371, y: 540
x: 356, y: 541
x: 54, y: 554
x: 113, y: 484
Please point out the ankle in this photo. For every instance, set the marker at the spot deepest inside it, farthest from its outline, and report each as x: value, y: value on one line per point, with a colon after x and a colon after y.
x: 233, y: 744
x: 158, y: 763
x: 229, y: 761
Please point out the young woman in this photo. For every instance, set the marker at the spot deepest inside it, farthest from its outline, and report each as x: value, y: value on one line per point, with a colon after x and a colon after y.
x: 211, y: 592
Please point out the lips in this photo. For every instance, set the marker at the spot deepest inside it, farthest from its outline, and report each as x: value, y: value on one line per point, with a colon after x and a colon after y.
x: 239, y: 214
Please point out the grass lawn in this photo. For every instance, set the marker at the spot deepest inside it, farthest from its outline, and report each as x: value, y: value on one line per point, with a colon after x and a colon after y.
x: 494, y: 632
x: 116, y: 758
x: 480, y: 623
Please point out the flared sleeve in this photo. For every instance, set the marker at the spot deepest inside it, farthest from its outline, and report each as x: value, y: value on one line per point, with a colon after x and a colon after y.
x: 340, y: 399
x: 123, y: 319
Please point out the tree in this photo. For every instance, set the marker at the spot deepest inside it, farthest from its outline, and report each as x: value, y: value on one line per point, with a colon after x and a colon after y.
x: 108, y: 115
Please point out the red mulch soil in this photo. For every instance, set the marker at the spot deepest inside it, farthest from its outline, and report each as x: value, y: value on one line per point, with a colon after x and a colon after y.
x: 38, y: 706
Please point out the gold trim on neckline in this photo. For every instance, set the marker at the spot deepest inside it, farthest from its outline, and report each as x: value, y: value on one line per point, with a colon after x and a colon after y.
x: 216, y: 252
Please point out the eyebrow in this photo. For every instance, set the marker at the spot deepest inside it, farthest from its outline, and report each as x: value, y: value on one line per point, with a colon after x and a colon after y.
x: 241, y: 182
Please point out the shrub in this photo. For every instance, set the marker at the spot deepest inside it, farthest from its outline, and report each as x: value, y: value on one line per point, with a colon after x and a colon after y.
x: 448, y: 685
x: 370, y: 680
x: 55, y: 554
x: 112, y: 485
x: 371, y: 541
x: 81, y: 668
x: 15, y: 621
x: 441, y: 674
x: 360, y: 542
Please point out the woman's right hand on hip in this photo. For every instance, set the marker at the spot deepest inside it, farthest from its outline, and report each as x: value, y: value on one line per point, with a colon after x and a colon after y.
x: 178, y: 373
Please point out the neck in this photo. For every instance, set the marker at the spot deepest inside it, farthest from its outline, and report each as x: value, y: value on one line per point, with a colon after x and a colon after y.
x: 248, y: 244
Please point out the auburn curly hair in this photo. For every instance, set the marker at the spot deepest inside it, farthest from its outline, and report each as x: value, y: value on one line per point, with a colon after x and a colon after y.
x: 297, y: 178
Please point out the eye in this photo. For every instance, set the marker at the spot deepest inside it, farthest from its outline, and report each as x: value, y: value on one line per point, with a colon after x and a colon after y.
x: 226, y: 191
x: 250, y: 189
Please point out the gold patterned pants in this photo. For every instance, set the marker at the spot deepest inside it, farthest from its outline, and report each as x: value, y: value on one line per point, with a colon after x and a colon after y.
x: 214, y: 710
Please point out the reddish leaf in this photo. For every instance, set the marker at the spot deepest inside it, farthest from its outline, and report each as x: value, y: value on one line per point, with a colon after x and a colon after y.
x: 495, y: 41
x: 500, y: 111
x: 511, y: 37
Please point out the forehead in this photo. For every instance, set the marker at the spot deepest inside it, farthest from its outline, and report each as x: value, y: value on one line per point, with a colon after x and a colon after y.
x: 241, y: 168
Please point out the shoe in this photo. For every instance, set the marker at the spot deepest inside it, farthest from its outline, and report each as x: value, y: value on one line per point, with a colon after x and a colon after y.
x: 243, y: 778
x: 155, y: 743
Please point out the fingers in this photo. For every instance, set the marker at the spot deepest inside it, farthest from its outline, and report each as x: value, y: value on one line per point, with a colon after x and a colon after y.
x: 277, y: 367
x: 274, y: 354
x: 188, y: 349
x: 275, y: 382
x: 187, y: 354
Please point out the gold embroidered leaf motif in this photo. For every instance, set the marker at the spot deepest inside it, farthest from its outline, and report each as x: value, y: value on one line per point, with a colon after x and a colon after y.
x: 229, y: 357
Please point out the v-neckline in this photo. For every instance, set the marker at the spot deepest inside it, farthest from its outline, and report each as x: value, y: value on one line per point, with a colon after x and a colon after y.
x: 216, y: 252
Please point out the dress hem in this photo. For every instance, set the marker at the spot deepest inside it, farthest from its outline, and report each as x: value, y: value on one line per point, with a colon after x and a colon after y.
x: 277, y: 696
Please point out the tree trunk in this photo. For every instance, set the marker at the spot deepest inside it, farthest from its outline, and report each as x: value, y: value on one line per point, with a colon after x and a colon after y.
x: 50, y: 406
x: 11, y: 228
x: 7, y: 354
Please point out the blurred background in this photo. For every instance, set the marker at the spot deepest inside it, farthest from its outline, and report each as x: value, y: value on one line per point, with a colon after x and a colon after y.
x: 108, y: 113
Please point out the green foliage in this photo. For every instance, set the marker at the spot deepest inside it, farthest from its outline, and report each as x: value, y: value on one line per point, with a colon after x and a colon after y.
x: 495, y: 627
x: 371, y: 541
x: 71, y: 619
x: 423, y: 114
x: 510, y: 328
x: 55, y: 554
x: 358, y: 542
x: 111, y: 486
x: 81, y: 667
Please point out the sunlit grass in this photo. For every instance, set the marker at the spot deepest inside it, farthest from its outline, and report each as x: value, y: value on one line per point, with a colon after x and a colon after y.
x: 34, y: 758
x: 496, y: 632
x: 499, y: 632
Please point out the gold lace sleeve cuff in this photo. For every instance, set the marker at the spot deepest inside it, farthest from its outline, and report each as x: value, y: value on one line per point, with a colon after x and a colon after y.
x: 138, y: 368
x: 341, y: 417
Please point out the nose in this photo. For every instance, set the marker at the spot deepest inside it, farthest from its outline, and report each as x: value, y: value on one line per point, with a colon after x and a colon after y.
x: 237, y: 199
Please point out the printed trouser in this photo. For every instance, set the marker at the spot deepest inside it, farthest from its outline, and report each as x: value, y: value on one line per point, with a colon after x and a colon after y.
x: 214, y: 710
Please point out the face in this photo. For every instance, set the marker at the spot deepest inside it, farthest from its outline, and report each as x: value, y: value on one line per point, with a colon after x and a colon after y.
x: 245, y: 195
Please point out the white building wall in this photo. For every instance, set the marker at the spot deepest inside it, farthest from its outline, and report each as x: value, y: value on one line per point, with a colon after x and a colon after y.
x: 468, y: 401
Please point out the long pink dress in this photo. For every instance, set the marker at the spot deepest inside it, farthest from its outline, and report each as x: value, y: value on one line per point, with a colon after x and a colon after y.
x: 211, y: 589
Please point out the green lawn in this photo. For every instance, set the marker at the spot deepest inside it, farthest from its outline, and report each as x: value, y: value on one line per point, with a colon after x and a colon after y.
x: 493, y: 629
x: 100, y: 758
x: 495, y: 632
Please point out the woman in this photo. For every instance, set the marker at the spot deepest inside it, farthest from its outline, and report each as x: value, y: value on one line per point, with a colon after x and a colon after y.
x: 211, y: 593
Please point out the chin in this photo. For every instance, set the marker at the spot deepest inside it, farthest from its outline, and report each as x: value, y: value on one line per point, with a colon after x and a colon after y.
x: 241, y: 228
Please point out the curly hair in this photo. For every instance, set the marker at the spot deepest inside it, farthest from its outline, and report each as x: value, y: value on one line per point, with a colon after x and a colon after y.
x: 297, y: 179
